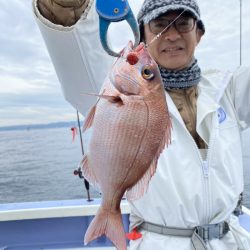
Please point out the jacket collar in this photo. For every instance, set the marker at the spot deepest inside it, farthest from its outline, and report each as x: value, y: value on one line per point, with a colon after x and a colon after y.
x: 210, y: 91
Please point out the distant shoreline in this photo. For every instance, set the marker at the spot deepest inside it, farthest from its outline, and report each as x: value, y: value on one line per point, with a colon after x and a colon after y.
x: 39, y: 126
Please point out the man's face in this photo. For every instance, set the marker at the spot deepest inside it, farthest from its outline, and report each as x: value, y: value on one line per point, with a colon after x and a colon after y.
x: 173, y: 49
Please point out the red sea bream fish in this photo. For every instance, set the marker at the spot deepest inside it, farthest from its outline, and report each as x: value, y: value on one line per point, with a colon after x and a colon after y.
x: 130, y: 128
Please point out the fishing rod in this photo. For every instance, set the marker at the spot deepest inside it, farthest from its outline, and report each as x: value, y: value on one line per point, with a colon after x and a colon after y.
x: 79, y: 171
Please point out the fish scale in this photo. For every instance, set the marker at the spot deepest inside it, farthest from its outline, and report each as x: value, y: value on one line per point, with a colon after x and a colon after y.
x: 110, y: 134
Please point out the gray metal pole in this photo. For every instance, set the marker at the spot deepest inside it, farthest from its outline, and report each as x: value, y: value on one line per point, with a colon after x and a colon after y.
x: 86, y: 183
x: 240, y: 32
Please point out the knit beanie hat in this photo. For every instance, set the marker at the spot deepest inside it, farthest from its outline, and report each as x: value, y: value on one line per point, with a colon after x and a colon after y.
x: 152, y: 9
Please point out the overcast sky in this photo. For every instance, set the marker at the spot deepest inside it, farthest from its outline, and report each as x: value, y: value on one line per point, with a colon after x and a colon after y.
x: 29, y: 89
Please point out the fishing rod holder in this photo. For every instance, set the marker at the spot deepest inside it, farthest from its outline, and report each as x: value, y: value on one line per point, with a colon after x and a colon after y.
x: 78, y: 172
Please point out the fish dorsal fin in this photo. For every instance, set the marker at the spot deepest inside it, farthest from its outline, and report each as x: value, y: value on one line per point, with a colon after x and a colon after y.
x: 88, y: 173
x: 141, y: 186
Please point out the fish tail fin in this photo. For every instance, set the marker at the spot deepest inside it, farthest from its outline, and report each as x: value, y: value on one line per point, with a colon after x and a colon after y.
x: 109, y: 224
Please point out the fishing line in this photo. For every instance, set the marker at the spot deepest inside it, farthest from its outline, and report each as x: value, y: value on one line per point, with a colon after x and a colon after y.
x: 159, y: 34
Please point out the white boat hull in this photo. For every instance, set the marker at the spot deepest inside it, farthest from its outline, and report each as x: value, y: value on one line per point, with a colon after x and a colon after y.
x: 59, y: 225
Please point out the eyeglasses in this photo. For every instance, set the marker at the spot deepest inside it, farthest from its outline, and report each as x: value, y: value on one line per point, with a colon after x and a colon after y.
x: 182, y: 24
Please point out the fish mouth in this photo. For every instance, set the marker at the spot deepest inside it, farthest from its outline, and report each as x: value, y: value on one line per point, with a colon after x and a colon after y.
x: 127, y: 50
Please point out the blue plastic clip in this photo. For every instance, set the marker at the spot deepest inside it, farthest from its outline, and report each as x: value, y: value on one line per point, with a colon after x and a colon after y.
x: 115, y: 11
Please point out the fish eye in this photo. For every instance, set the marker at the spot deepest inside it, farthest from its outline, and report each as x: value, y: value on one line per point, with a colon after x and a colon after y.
x: 147, y: 73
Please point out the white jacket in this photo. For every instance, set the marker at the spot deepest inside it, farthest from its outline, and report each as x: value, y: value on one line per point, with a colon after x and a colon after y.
x: 187, y: 189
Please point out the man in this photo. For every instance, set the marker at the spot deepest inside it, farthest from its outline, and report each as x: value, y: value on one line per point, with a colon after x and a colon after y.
x: 191, y: 198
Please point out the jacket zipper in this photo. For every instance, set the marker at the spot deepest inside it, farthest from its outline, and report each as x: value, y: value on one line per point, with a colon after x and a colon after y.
x: 207, y: 162
x: 205, y: 170
x: 205, y: 180
x: 204, y: 166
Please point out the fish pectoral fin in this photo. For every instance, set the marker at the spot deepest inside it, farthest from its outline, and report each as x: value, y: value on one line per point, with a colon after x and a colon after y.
x: 111, y: 98
x: 109, y: 224
x: 88, y: 173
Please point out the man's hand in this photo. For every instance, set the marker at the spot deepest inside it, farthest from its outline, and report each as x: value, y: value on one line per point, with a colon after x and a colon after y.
x: 64, y: 12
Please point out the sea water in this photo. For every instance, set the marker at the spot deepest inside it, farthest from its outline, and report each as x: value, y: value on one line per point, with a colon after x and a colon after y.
x: 38, y: 165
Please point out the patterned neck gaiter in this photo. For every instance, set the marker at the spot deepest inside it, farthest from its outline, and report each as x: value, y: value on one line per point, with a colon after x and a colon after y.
x: 181, y: 79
